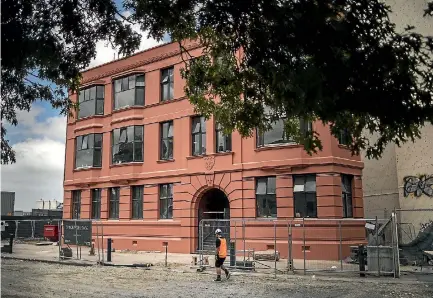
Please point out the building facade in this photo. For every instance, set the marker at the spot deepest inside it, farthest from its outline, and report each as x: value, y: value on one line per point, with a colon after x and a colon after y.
x: 146, y: 167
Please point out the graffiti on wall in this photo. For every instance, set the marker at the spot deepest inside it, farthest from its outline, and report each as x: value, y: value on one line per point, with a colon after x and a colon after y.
x: 418, y: 185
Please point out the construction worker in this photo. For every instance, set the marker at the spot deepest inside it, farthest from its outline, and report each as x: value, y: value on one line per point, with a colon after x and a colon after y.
x: 221, y: 254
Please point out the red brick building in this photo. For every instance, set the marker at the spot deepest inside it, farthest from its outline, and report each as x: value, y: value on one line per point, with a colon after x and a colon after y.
x: 143, y: 163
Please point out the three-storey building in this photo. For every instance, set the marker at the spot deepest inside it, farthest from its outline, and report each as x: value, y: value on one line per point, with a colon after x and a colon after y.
x: 142, y: 163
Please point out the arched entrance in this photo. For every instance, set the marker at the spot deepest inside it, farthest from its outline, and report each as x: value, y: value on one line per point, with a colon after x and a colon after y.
x: 213, y: 213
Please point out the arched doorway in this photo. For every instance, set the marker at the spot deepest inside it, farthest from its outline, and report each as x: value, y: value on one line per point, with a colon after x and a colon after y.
x: 213, y: 213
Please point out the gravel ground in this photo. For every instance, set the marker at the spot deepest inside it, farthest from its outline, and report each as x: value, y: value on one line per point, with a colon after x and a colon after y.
x: 32, y: 279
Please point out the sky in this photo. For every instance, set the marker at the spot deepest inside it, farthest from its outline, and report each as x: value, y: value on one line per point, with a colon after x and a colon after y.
x: 39, y: 144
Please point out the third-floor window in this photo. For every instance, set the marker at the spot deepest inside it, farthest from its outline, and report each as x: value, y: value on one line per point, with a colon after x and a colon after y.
x: 127, y: 144
x: 88, y: 151
x: 198, y: 135
x: 278, y: 135
x: 129, y: 91
x: 91, y: 102
x: 223, y: 141
x: 167, y: 84
x: 167, y: 140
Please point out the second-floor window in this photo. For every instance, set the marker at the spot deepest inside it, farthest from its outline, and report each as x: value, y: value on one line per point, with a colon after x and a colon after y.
x: 129, y: 91
x: 88, y: 151
x: 167, y: 84
x: 76, y: 204
x: 266, y: 197
x: 91, y: 102
x: 277, y: 134
x: 113, y: 208
x: 96, y: 203
x: 344, y: 138
x: 346, y: 195
x: 223, y: 141
x: 198, y: 135
x: 167, y: 140
x: 127, y: 144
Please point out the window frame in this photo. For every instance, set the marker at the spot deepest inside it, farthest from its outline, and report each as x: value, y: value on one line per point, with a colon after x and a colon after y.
x: 95, y: 149
x: 346, y: 195
x: 201, y: 133
x: 135, y: 75
x: 76, y: 204
x: 169, y: 82
x: 344, y: 138
x: 134, y: 143
x: 267, y: 196
x: 96, y: 99
x: 304, y: 195
x: 227, y: 139
x: 305, y: 126
x: 113, y: 213
x: 165, y: 201
x: 96, y: 203
x: 137, y: 201
x: 169, y: 139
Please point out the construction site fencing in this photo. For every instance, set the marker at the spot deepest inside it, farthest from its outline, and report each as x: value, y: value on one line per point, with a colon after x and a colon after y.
x: 27, y: 230
x: 304, y: 245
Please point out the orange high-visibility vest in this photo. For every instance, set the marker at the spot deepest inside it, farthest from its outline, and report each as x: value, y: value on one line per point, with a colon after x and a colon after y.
x: 222, y: 253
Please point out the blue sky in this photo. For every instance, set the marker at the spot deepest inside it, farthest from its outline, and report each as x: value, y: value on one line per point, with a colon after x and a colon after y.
x: 39, y: 143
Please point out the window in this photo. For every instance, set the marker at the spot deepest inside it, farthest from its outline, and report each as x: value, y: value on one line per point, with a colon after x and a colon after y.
x: 223, y: 141
x: 167, y: 140
x: 277, y: 134
x: 76, y: 204
x: 91, y: 102
x: 304, y: 195
x: 266, y: 197
x: 198, y: 135
x: 96, y: 203
x: 114, y: 203
x: 167, y: 84
x: 127, y: 144
x: 344, y: 138
x: 88, y: 151
x: 137, y: 202
x: 166, y: 201
x: 129, y: 91
x: 346, y: 195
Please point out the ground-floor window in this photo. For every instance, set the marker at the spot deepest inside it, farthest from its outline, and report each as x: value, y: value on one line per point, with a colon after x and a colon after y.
x: 76, y: 204
x: 304, y: 195
x: 266, y: 197
x: 96, y: 203
x: 346, y: 195
x: 166, y: 201
x: 137, y: 202
x: 114, y: 203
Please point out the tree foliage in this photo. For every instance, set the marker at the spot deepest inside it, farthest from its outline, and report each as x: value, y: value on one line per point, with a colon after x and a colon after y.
x: 338, y: 61
x: 45, y: 45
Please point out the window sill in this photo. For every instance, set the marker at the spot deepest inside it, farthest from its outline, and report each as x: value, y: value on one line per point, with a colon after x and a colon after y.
x: 89, y: 117
x: 87, y: 169
x: 222, y: 153
x: 165, y: 160
x: 341, y: 146
x: 125, y: 164
x: 163, y: 102
x: 276, y: 147
x: 165, y: 219
x: 127, y: 108
x: 196, y: 156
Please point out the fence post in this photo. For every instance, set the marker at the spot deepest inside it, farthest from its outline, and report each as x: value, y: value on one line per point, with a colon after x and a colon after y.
x: 33, y: 225
x: 341, y: 246
x: 235, y: 245
x: 109, y: 250
x: 275, y: 249
x: 289, y: 253
x: 305, y: 252
x: 16, y: 229
x: 395, y: 229
x: 377, y: 247
x: 59, y: 237
x: 243, y: 236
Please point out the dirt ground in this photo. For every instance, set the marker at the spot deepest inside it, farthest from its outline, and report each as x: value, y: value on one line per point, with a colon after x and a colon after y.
x: 35, y: 279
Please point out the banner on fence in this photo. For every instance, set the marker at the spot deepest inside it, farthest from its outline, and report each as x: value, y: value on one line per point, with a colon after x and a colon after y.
x: 77, y: 232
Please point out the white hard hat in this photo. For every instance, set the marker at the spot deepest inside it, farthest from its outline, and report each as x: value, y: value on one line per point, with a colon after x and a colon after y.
x: 218, y: 231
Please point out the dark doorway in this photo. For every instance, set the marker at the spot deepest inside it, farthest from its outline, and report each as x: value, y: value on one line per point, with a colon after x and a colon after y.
x: 213, y: 213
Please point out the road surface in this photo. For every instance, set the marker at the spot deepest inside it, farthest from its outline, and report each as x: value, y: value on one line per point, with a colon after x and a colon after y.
x: 32, y: 279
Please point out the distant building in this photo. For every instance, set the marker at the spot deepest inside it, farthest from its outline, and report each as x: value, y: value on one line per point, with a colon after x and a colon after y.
x: 48, y: 204
x: 7, y: 202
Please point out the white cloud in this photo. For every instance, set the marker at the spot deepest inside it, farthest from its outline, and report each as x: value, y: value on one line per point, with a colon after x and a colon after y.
x: 38, y: 172
x: 105, y: 52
